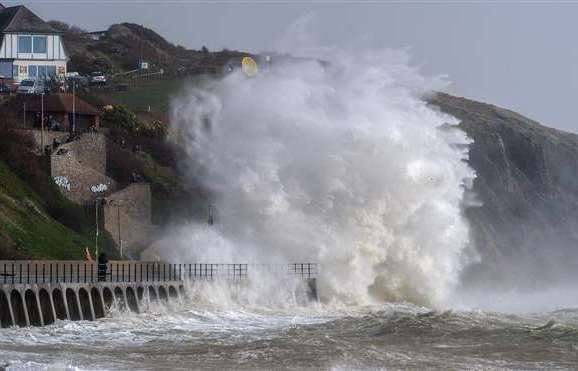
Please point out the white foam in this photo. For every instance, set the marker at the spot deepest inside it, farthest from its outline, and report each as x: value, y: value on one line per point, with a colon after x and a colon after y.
x: 341, y: 164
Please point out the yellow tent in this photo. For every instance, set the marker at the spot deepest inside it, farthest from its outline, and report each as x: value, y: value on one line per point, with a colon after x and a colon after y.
x: 249, y: 66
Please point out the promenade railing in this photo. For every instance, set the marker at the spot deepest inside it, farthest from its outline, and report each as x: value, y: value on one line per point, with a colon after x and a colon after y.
x: 43, y: 272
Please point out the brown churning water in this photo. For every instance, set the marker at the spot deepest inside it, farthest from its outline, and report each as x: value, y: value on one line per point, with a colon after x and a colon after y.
x: 194, y: 333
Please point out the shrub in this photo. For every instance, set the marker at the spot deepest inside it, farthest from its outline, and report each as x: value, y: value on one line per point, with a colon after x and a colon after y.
x: 120, y: 117
x: 153, y: 129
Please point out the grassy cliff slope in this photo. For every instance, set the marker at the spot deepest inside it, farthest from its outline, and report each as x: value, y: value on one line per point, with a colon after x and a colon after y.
x: 27, y: 230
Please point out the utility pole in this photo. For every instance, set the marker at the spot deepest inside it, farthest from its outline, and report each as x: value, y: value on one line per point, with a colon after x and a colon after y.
x: 211, y: 220
x: 118, y: 204
x: 73, y: 107
x: 141, y: 46
x: 96, y: 219
x: 42, y: 123
x: 118, y: 222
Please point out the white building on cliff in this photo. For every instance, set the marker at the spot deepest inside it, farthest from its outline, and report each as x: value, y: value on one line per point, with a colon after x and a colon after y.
x: 30, y: 48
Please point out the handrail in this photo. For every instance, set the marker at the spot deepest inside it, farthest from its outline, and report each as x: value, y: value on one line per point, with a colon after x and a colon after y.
x: 44, y: 272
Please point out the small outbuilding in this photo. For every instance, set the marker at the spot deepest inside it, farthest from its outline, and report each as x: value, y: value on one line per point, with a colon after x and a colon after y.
x: 62, y: 112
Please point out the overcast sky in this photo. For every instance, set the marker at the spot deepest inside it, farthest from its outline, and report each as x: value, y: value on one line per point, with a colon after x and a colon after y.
x: 522, y: 56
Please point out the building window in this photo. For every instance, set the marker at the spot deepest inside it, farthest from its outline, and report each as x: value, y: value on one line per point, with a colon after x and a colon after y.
x: 39, y: 44
x: 24, y: 44
x: 41, y: 72
x: 14, y: 70
x: 6, y: 70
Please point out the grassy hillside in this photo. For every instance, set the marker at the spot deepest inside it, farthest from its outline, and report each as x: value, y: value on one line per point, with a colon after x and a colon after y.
x: 28, y: 230
x: 153, y: 94
x: 124, y: 45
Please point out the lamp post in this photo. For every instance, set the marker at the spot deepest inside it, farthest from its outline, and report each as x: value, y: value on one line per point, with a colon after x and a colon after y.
x: 119, y: 235
x: 42, y: 123
x: 73, y: 106
x: 211, y: 220
x: 96, y: 205
x: 118, y: 204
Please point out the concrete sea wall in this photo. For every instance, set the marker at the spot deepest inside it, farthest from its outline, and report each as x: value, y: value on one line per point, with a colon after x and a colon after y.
x: 41, y: 304
x: 37, y: 293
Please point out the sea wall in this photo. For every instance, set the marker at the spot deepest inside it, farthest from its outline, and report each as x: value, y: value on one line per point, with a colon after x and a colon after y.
x: 37, y: 293
x: 79, y: 168
x: 41, y: 304
x: 127, y: 216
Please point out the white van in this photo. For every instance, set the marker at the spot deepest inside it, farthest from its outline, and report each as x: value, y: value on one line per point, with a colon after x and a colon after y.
x: 31, y: 87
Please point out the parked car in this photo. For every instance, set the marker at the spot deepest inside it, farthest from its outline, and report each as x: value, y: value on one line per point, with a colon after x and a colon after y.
x: 78, y: 81
x: 97, y: 78
x: 5, y: 88
x: 37, y: 86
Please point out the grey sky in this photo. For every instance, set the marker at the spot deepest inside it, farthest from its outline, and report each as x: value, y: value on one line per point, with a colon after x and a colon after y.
x: 523, y: 56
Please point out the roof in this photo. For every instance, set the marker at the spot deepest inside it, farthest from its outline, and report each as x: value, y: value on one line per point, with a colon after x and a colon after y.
x: 60, y: 103
x: 21, y: 19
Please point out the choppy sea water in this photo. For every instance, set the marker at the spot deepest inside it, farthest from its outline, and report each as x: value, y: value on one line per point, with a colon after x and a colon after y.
x: 391, y: 336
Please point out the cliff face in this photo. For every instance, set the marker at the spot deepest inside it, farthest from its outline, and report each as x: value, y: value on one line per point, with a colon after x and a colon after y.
x: 526, y: 230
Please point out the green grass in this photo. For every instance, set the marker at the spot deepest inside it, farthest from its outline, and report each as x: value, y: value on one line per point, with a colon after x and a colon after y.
x: 35, y: 234
x: 156, y: 94
x: 162, y: 176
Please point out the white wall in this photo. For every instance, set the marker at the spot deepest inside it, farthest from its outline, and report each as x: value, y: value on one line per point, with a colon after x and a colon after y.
x: 54, y: 56
x: 55, y: 48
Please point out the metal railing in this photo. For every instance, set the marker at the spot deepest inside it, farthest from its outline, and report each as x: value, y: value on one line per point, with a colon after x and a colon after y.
x: 43, y: 272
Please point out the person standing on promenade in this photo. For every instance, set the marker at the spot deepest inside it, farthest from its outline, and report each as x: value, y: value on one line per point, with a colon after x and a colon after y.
x: 102, y: 267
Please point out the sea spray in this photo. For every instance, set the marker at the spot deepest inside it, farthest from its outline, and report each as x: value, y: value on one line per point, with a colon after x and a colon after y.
x: 340, y: 163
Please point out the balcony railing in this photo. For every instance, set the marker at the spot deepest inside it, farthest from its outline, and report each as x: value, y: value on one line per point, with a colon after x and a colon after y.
x: 44, y: 272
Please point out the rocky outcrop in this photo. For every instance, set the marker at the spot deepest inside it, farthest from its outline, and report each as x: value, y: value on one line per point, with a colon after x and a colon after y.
x: 526, y: 229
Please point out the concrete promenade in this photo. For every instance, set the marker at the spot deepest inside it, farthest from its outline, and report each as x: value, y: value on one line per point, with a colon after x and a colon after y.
x: 36, y: 293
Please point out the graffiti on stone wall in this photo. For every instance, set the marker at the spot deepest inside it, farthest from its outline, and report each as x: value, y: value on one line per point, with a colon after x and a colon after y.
x: 99, y: 188
x: 62, y: 182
